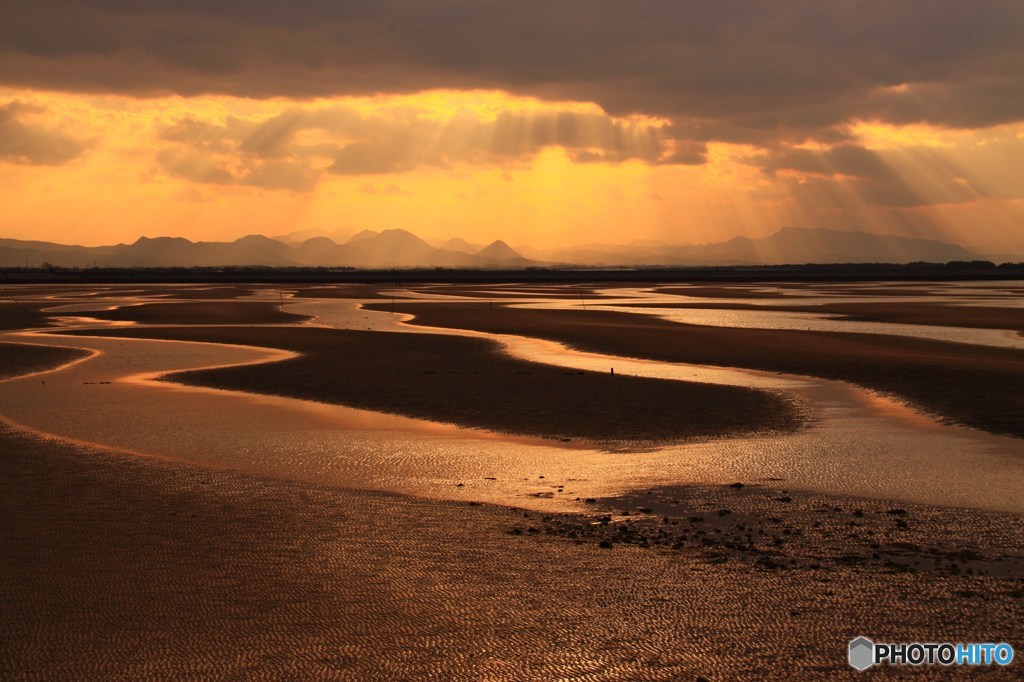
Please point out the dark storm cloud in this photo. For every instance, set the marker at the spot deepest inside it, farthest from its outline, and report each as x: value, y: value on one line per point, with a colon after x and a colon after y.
x: 750, y: 71
x: 27, y: 142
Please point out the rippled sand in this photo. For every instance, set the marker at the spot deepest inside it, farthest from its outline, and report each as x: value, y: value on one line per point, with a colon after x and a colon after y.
x: 127, y: 568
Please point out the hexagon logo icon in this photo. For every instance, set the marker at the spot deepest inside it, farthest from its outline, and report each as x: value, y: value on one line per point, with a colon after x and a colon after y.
x: 862, y: 653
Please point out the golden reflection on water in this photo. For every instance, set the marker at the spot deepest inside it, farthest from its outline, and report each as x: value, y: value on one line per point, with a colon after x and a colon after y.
x: 776, y: 319
x: 857, y: 442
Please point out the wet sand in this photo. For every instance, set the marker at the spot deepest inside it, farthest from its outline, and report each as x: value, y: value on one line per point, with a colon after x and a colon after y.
x: 168, y: 291
x: 17, y: 359
x: 18, y: 314
x: 776, y: 528
x: 119, y: 567
x: 510, y: 291
x: 721, y: 292
x: 973, y: 385
x: 360, y: 291
x: 470, y: 382
x: 942, y: 315
x: 229, y: 312
x: 200, y: 293
x: 784, y: 290
x: 881, y: 289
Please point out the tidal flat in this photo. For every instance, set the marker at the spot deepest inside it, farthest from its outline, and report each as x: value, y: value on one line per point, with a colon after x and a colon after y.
x: 409, y: 483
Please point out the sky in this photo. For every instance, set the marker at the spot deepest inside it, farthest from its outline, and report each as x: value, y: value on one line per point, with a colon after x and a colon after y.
x: 547, y: 123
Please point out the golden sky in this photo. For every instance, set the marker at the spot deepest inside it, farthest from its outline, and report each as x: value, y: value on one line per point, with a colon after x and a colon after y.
x: 216, y: 129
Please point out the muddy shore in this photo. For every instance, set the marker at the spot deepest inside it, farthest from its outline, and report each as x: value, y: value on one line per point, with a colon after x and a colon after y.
x: 471, y: 382
x: 973, y: 385
x: 114, y: 566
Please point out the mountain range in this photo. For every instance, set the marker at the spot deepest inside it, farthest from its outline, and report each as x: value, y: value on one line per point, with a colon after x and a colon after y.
x: 367, y: 249
x: 401, y: 249
x: 790, y: 245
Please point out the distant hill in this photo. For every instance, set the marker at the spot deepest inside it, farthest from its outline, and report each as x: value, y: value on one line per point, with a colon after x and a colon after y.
x: 790, y: 245
x: 151, y: 252
x: 339, y: 236
x: 805, y: 245
x: 319, y: 251
x: 361, y: 235
x: 500, y: 253
x: 397, y: 248
x: 401, y: 248
x: 460, y: 244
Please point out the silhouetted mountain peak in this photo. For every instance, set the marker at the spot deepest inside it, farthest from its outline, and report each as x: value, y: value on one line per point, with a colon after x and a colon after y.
x: 461, y: 245
x: 361, y: 235
x: 401, y: 248
x: 399, y: 233
x: 499, y: 250
x: 155, y: 241
x: 390, y: 248
x: 317, y: 243
x: 257, y: 239
x: 397, y: 239
x: 339, y: 236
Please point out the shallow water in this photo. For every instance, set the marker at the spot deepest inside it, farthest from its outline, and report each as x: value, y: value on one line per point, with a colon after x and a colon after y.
x: 624, y: 300
x: 857, y: 443
x: 996, y: 293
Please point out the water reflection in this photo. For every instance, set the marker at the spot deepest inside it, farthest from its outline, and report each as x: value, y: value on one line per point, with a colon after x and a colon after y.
x: 623, y: 300
x: 858, y: 443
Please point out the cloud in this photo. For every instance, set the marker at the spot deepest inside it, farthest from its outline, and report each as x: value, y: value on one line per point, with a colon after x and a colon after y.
x: 295, y: 148
x: 238, y: 152
x: 368, y: 158
x: 847, y: 159
x: 25, y: 141
x: 898, y: 178
x: 754, y: 71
